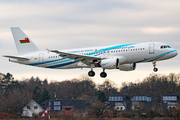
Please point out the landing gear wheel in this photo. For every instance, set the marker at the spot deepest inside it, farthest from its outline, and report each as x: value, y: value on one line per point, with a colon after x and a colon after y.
x: 103, y: 74
x: 155, y: 69
x: 91, y: 73
x: 154, y: 65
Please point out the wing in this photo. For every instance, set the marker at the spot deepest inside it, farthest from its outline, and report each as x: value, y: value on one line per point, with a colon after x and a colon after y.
x: 83, y: 58
x: 16, y: 57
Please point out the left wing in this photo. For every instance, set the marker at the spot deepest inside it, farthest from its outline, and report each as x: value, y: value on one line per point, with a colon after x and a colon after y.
x: 83, y: 58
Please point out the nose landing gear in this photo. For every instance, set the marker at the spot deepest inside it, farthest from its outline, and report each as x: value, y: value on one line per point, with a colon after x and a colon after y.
x: 154, y: 65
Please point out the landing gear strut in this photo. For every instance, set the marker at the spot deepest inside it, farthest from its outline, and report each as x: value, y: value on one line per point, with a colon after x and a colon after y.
x: 103, y: 74
x: 91, y: 73
x: 154, y: 65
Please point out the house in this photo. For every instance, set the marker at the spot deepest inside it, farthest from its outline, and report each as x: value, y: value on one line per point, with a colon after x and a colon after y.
x: 67, y: 106
x: 139, y: 100
x: 171, y: 101
x: 119, y: 103
x: 31, y: 109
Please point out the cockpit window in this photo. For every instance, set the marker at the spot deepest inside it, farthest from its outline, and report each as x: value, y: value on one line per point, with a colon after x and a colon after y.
x: 165, y: 46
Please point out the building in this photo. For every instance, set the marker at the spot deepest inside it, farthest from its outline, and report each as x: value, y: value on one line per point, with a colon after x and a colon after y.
x: 120, y: 103
x: 171, y: 101
x: 117, y: 103
x: 31, y: 109
x: 141, y: 100
x: 67, y: 106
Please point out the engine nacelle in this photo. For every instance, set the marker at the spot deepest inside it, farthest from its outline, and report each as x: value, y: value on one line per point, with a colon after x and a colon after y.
x: 128, y: 67
x: 112, y: 63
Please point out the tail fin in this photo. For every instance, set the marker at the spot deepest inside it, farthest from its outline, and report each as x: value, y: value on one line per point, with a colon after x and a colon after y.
x: 23, y: 43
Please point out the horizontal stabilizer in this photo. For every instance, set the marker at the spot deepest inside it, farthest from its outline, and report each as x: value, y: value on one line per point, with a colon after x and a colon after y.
x: 16, y: 57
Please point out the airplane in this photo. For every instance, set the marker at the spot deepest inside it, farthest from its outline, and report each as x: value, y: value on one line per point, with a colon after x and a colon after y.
x: 123, y: 57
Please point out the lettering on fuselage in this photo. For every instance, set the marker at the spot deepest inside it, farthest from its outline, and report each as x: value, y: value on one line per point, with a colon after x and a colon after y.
x: 101, y: 50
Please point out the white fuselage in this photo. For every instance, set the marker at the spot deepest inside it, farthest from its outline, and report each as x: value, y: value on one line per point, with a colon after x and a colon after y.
x: 133, y: 53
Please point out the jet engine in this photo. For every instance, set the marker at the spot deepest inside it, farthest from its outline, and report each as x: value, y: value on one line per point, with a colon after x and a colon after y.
x: 112, y: 63
x: 128, y: 67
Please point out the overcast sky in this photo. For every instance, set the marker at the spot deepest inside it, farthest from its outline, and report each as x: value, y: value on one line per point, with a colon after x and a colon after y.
x: 65, y: 24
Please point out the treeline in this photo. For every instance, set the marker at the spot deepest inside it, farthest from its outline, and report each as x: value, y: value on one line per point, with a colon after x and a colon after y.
x: 155, y: 85
x: 15, y: 94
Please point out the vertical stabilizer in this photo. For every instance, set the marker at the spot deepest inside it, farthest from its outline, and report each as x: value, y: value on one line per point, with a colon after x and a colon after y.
x: 23, y: 42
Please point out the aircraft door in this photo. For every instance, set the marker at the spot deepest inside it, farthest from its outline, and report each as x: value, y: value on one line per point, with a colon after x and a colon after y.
x: 151, y: 48
x: 41, y: 60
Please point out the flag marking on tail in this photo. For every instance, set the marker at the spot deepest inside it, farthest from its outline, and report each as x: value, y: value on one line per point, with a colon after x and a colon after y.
x: 24, y: 41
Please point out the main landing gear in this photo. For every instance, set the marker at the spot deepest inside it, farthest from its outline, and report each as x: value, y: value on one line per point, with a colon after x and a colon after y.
x: 92, y: 73
x: 154, y: 65
x: 103, y: 74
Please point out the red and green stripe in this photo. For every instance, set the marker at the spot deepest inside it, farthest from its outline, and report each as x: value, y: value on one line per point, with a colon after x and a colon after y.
x: 25, y: 41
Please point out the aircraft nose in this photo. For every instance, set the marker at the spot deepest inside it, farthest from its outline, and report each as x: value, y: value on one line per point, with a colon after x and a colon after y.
x: 175, y: 53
